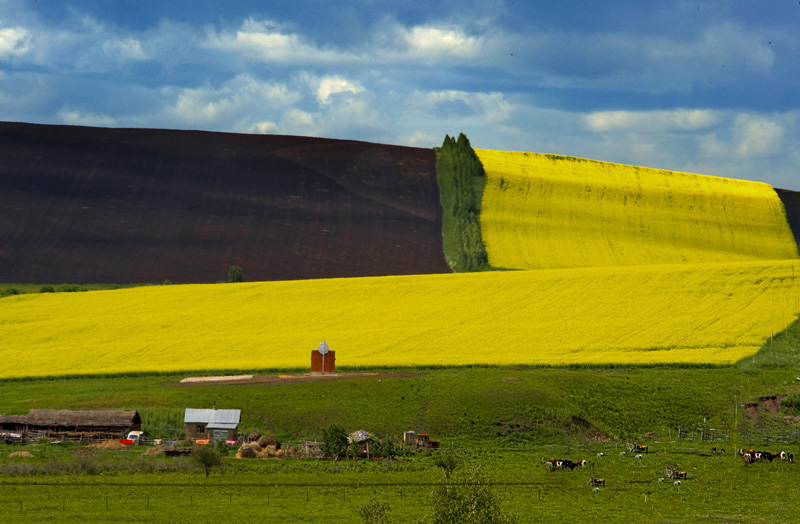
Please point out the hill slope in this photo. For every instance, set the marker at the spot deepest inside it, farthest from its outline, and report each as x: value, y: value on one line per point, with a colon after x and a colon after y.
x: 548, y: 211
x: 80, y: 204
x: 695, y: 313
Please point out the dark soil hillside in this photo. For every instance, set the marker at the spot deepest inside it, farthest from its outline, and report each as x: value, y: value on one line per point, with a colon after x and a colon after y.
x: 81, y: 204
x: 791, y: 202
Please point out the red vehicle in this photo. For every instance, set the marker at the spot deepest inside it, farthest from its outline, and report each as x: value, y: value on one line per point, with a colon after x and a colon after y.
x: 423, y: 441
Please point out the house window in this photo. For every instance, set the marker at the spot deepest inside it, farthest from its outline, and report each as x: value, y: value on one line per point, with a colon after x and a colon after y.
x: 201, y: 429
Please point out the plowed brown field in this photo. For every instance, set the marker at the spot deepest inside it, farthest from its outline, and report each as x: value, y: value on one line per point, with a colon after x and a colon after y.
x: 98, y: 205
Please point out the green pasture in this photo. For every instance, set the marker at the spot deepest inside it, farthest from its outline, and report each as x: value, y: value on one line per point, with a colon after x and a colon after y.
x: 718, y: 488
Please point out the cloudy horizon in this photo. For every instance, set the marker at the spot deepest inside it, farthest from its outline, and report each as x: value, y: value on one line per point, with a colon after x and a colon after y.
x: 706, y: 87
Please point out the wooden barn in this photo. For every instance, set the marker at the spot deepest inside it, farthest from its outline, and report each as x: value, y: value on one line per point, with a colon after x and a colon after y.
x: 211, y: 424
x: 72, y: 425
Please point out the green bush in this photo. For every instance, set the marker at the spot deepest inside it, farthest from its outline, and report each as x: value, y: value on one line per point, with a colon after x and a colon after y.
x: 335, y: 441
x: 235, y: 274
x: 207, y: 457
x: 374, y: 512
x: 471, y: 501
x: 47, y: 289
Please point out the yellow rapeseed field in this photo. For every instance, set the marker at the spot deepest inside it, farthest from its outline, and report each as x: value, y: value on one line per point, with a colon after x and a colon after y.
x: 699, y: 313
x: 546, y: 211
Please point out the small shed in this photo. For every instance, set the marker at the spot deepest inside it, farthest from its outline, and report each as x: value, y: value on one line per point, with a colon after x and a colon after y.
x: 323, y: 363
x: 212, y: 424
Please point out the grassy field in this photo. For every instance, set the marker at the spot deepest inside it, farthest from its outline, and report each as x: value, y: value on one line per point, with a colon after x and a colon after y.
x: 547, y: 211
x: 704, y: 313
x: 719, y: 488
x: 506, y: 419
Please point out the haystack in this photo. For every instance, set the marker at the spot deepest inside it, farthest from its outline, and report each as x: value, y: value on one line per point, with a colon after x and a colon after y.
x: 109, y: 445
x: 20, y: 454
x: 269, y: 440
x: 249, y: 450
x: 267, y: 452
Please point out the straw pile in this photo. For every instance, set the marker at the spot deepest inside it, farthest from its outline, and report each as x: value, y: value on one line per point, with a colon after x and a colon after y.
x: 267, y: 446
x: 20, y: 454
x: 109, y: 445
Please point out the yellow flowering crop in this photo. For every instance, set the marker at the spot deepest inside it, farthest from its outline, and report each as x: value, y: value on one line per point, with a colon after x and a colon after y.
x: 545, y: 211
x: 700, y: 313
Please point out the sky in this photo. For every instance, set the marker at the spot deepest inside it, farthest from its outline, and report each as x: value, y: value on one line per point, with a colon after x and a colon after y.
x: 710, y: 87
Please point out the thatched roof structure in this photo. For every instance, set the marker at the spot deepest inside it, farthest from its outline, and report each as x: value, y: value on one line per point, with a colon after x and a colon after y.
x: 52, y: 418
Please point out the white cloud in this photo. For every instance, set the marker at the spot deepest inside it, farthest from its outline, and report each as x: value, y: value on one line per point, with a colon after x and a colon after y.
x: 264, y: 127
x: 297, y: 119
x: 14, y: 41
x: 650, y: 121
x: 757, y: 136
x: 267, y: 41
x: 431, y: 42
x: 330, y: 85
x: 73, y: 117
x: 127, y: 48
x: 239, y: 104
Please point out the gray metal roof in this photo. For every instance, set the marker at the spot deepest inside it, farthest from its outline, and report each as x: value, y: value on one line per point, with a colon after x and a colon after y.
x: 213, y: 418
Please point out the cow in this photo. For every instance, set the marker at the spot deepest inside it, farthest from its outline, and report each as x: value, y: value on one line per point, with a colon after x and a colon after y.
x: 597, y: 482
x: 554, y: 464
x: 673, y: 473
x: 568, y: 464
x: 638, y: 448
x: 786, y: 456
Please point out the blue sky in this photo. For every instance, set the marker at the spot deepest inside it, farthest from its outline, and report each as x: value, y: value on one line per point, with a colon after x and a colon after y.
x: 705, y: 86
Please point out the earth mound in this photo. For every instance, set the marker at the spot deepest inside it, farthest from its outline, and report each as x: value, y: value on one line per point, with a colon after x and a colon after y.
x: 99, y: 205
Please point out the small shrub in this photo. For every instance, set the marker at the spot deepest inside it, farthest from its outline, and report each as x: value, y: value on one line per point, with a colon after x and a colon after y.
x: 448, y: 461
x: 47, y: 289
x: 207, y: 457
x: 235, y: 274
x: 374, y: 512
x: 471, y: 502
x: 335, y: 441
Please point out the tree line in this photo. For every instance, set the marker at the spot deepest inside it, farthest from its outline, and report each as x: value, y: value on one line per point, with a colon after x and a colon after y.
x: 464, y: 187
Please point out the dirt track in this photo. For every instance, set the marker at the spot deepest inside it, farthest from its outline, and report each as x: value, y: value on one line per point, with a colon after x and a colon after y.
x: 97, y: 205
x: 274, y: 380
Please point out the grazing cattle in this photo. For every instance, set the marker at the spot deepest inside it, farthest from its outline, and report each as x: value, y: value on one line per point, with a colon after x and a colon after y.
x: 786, y: 456
x: 598, y: 482
x: 638, y: 456
x: 638, y: 448
x: 555, y: 464
x: 766, y: 455
x: 676, y: 483
x: 748, y: 457
x: 673, y: 473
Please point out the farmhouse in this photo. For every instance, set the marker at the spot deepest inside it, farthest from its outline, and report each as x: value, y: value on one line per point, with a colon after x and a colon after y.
x: 211, y: 424
x: 72, y: 425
